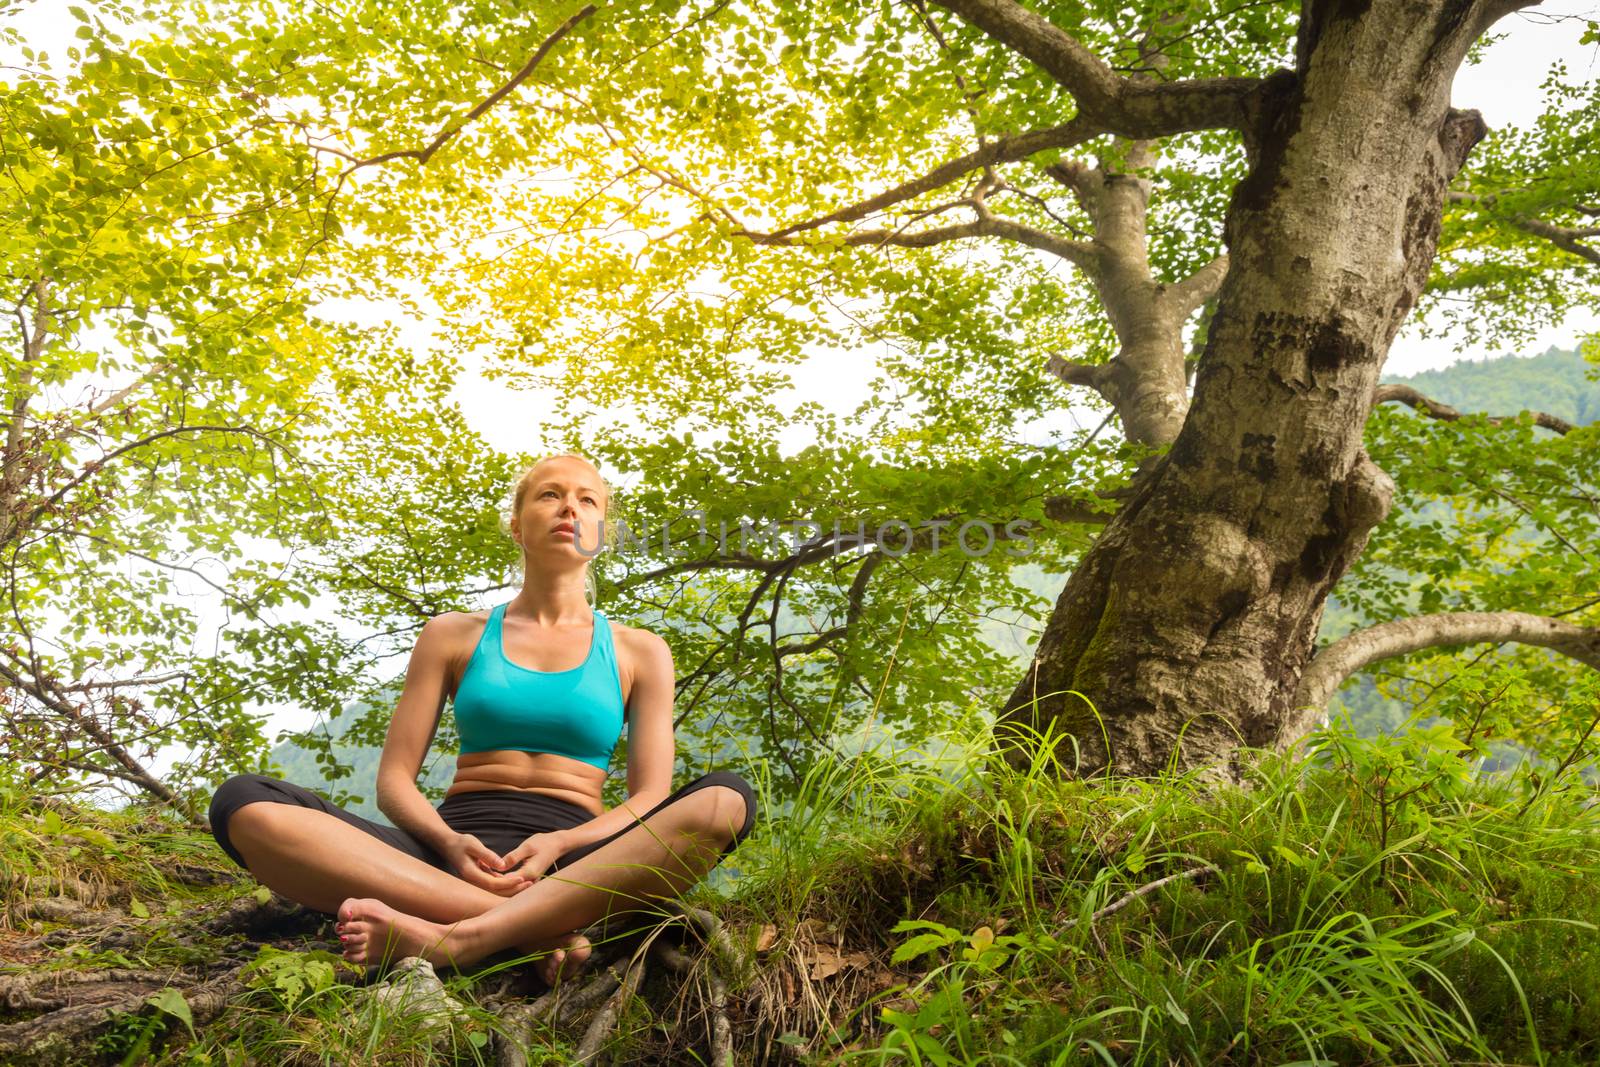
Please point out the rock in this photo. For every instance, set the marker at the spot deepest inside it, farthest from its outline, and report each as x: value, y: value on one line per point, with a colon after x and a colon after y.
x: 412, y: 989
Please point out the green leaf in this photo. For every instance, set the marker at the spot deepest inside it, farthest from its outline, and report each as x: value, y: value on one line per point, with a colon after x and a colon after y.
x: 170, y: 1001
x: 920, y: 945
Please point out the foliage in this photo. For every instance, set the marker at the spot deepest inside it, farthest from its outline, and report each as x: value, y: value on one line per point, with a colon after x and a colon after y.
x: 1371, y: 902
x: 209, y: 190
x: 176, y: 412
x: 1374, y: 902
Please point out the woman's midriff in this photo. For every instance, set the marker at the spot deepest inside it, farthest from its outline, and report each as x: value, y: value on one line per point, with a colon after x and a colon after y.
x: 561, y: 777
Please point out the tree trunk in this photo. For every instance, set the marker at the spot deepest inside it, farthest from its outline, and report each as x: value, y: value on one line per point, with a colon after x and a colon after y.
x: 1189, y: 622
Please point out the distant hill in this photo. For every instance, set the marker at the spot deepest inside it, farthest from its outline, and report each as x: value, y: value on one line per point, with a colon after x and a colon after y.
x: 1559, y: 382
x: 301, y: 767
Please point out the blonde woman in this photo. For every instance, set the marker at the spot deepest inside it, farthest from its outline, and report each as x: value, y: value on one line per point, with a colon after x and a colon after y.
x: 542, y: 687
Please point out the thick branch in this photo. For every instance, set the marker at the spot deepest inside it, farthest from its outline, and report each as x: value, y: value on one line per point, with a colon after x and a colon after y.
x: 1081, y: 510
x: 986, y: 225
x: 1330, y: 667
x: 1096, y: 376
x: 1567, y: 238
x: 1191, y: 293
x: 1004, y: 150
x: 1409, y: 396
x: 1563, y: 237
x: 1136, y: 108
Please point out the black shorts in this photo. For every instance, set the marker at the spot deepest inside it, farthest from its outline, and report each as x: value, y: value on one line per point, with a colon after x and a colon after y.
x: 501, y: 819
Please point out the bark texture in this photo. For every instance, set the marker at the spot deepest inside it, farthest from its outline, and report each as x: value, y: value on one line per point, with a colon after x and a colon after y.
x: 1189, y: 623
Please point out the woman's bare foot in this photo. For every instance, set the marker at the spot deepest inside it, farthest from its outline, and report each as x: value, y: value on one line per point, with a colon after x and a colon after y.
x: 566, y: 959
x: 374, y: 933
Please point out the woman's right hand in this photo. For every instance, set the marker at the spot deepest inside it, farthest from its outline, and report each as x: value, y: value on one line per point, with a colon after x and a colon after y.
x: 477, y: 863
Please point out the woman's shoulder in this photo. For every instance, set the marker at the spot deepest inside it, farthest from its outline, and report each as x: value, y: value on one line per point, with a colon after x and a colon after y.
x: 452, y: 627
x: 637, y: 641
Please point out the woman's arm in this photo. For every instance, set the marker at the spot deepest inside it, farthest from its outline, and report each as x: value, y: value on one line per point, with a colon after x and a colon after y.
x: 650, y: 758
x: 411, y: 731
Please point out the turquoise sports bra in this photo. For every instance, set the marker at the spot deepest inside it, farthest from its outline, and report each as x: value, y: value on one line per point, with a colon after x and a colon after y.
x: 576, y: 713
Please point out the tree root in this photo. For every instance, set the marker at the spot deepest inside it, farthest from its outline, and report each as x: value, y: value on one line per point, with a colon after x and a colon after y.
x: 734, y: 959
x: 619, y: 968
x: 594, y: 1038
x: 77, y: 1004
x: 249, y: 916
x: 721, y: 1036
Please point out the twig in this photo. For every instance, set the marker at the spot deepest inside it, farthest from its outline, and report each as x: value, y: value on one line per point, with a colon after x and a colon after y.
x: 1144, y: 890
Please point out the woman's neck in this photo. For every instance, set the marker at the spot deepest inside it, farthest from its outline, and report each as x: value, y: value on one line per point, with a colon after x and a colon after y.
x: 551, y: 602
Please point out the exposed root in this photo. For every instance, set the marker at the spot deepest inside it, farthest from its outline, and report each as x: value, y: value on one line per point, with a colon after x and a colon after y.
x: 61, y: 910
x: 49, y: 990
x: 277, y: 916
x: 590, y: 995
x: 600, y: 1027
x: 731, y: 956
x: 77, y: 1004
x: 721, y: 1036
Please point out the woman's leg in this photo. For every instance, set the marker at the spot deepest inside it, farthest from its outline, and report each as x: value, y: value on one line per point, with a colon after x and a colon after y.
x: 314, y: 852
x: 303, y: 847
x: 672, y: 848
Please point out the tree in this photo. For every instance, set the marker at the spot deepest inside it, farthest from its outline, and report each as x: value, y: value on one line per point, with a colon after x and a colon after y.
x: 1283, y: 178
x: 1011, y: 209
x: 170, y: 399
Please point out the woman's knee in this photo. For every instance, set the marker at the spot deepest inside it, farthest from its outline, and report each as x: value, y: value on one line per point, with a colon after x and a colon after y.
x: 230, y: 797
x: 246, y: 799
x: 233, y: 794
x: 727, y: 802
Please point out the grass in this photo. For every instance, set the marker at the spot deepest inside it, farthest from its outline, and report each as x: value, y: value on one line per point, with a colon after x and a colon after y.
x: 1372, y: 902
x: 1446, y: 918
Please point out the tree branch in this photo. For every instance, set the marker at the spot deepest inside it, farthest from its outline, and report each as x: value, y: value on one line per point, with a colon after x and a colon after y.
x: 1070, y: 509
x: 1192, y: 292
x: 1004, y: 150
x: 1567, y: 238
x: 1130, y: 107
x: 1094, y: 376
x: 986, y: 225
x: 422, y: 155
x: 1410, y: 397
x: 1330, y: 667
x: 131, y: 769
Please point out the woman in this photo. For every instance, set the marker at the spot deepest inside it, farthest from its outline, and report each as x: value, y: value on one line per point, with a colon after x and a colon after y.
x: 478, y: 874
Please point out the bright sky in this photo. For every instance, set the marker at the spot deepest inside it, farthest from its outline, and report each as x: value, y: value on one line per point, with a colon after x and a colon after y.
x: 1504, y: 86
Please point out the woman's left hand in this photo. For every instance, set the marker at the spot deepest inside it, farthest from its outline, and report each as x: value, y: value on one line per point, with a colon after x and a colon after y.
x: 535, y: 855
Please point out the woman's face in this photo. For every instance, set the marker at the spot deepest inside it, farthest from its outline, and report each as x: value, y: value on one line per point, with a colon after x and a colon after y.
x: 561, y: 510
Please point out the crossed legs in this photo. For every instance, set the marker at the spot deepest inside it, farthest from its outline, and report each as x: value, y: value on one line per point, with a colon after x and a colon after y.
x: 317, y: 859
x: 666, y: 853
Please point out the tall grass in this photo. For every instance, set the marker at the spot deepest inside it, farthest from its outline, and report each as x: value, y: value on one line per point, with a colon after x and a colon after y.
x: 1444, y: 917
x: 1368, y: 902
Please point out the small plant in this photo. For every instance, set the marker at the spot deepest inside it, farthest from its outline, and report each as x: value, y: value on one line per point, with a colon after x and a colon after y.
x: 293, y: 976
